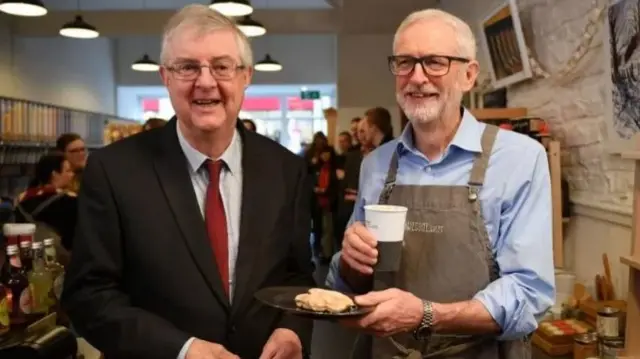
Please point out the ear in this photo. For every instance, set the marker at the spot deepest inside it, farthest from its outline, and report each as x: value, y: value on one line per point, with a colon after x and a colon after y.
x: 470, y: 75
x: 248, y: 76
x: 164, y: 75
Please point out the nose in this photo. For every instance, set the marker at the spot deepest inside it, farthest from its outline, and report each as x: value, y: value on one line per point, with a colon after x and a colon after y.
x: 418, y: 75
x: 205, y: 79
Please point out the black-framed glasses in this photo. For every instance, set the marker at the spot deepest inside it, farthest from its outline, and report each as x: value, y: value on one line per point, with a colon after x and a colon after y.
x: 432, y: 65
x: 219, y: 69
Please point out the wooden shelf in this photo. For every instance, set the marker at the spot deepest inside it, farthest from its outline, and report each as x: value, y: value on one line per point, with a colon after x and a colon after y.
x: 630, y: 155
x: 632, y: 345
x: 484, y: 114
x: 631, y: 262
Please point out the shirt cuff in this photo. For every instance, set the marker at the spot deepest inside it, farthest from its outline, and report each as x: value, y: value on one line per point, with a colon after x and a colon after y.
x: 185, y: 349
x: 510, y: 313
x: 334, y: 280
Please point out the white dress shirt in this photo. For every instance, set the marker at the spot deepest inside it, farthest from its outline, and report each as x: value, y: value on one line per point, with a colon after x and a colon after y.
x: 230, y: 189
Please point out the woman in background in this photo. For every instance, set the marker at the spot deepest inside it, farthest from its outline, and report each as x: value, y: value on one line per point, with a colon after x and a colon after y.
x: 72, y: 146
x: 48, y: 201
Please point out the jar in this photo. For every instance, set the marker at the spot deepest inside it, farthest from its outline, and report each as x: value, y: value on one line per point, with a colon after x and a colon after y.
x: 611, y: 348
x: 608, y: 322
x: 585, y: 345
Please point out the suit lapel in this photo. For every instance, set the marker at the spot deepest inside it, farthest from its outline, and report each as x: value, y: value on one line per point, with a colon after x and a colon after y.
x: 255, y: 208
x: 172, y: 170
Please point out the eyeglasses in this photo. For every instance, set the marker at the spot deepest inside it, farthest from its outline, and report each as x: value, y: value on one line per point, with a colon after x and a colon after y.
x: 220, y: 70
x: 432, y: 65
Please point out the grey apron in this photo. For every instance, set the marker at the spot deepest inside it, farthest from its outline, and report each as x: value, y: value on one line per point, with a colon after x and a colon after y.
x: 446, y: 258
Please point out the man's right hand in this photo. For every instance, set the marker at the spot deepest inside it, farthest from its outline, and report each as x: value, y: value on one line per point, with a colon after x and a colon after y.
x: 200, y: 349
x: 359, y: 249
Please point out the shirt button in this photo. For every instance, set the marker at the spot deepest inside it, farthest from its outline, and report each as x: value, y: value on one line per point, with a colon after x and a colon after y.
x: 428, y: 168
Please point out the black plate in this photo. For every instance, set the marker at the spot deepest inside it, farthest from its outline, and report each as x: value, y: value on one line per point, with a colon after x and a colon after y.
x: 283, y: 298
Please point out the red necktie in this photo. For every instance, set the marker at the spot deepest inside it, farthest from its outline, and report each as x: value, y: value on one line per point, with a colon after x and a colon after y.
x: 216, y: 222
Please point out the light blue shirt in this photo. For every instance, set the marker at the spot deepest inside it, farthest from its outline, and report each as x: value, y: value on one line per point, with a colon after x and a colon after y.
x: 516, y: 206
x: 230, y: 189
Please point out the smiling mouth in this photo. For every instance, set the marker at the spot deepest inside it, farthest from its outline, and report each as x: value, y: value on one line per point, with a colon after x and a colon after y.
x: 421, y: 95
x: 207, y: 102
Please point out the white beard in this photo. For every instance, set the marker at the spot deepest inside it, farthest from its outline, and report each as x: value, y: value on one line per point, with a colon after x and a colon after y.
x: 430, y: 111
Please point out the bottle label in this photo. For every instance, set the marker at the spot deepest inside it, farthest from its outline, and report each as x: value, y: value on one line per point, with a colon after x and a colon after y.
x: 58, y: 283
x: 9, y: 299
x: 25, y: 301
x: 4, y: 312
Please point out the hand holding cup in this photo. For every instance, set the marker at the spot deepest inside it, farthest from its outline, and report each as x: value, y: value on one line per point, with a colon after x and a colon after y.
x: 359, y: 249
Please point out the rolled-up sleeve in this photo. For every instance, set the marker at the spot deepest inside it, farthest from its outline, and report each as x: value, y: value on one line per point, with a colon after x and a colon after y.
x: 524, y: 251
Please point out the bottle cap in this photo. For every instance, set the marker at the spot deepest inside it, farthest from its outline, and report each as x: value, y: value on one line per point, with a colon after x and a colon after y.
x: 12, y: 249
x: 48, y: 241
x: 36, y: 245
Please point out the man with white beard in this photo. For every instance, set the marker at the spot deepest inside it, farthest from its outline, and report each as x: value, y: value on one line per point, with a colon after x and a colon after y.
x: 477, y: 265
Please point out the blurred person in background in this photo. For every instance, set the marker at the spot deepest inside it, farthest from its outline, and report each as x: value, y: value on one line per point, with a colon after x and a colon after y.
x: 250, y: 125
x: 72, y: 146
x: 353, y: 129
x: 49, y: 203
x: 320, y: 159
x: 153, y: 122
x: 376, y: 128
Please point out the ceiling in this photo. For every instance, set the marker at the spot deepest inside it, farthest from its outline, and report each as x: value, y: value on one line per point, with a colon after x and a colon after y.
x: 117, y: 18
x: 97, y: 5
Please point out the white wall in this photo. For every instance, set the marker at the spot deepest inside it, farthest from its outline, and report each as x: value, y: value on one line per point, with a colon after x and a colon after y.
x: 364, y: 80
x: 600, y: 184
x: 306, y: 59
x: 65, y: 72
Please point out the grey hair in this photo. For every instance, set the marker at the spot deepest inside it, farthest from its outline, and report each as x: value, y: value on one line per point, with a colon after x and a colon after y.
x: 204, y: 20
x: 465, y: 38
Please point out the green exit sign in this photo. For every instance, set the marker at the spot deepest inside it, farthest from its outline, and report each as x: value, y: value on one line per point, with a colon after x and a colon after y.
x: 310, y: 95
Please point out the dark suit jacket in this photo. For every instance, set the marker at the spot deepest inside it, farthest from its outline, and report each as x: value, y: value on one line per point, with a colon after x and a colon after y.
x: 143, y: 277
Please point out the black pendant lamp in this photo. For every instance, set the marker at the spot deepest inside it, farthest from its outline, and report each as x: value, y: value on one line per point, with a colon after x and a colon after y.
x: 79, y: 29
x: 145, y: 64
x: 232, y: 8
x: 251, y: 27
x: 30, y: 8
x: 268, y: 65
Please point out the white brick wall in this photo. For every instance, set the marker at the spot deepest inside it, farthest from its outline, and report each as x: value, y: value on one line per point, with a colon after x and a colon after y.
x: 575, y: 109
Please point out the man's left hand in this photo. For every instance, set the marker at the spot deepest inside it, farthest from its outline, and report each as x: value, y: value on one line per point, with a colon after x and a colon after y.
x: 395, y: 311
x: 283, y: 344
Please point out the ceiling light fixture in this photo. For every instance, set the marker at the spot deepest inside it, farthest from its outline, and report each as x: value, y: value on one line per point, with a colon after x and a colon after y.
x: 145, y: 64
x: 268, y: 65
x: 31, y: 8
x: 251, y: 27
x: 79, y: 29
x: 232, y: 8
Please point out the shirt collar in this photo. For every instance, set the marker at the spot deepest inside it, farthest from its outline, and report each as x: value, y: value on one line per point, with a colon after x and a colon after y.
x: 231, y: 156
x: 467, y: 136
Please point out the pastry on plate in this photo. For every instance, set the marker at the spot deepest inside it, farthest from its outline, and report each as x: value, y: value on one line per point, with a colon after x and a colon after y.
x: 324, y: 300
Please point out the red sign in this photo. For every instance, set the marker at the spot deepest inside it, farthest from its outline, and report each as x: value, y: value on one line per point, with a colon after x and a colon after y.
x: 261, y: 104
x: 150, y: 105
x: 298, y: 104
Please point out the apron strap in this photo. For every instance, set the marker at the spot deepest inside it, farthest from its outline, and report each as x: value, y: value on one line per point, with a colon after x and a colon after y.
x: 481, y: 162
x: 390, y: 181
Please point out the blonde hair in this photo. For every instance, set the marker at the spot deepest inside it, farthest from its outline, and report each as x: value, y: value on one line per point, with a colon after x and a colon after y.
x: 204, y: 20
x: 466, y: 39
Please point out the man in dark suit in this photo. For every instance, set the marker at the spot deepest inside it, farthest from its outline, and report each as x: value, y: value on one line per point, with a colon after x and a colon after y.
x: 179, y: 226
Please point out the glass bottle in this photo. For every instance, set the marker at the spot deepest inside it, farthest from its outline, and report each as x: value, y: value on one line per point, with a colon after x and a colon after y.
x: 54, y: 267
x: 26, y: 254
x: 5, y: 323
x: 39, y: 281
x: 18, y: 293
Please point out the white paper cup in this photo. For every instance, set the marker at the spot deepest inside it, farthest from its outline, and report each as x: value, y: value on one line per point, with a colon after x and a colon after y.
x: 386, y: 223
